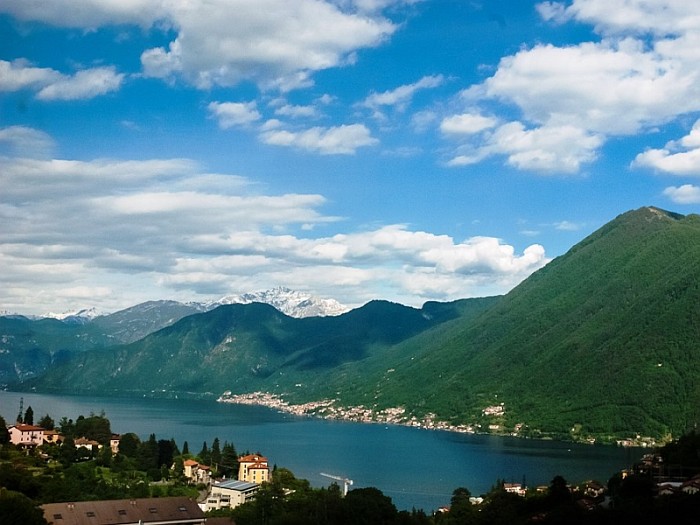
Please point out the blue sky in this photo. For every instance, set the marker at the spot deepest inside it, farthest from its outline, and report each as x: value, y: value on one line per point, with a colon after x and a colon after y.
x: 407, y: 150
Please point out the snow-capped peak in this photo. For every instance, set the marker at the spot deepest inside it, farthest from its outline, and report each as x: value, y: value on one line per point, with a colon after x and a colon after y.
x: 290, y: 302
x: 83, y: 315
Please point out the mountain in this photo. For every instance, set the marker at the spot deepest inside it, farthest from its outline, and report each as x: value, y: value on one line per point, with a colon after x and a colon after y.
x: 136, y: 322
x: 290, y: 302
x: 604, y: 340
x: 245, y: 347
x: 28, y: 348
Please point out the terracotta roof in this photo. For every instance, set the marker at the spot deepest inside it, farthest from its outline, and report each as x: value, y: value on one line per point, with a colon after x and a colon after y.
x: 115, y: 512
x: 252, y: 458
x: 190, y: 463
x: 26, y: 428
x: 257, y: 466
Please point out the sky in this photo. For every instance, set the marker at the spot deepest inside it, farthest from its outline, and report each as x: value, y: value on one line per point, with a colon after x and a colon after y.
x: 407, y: 150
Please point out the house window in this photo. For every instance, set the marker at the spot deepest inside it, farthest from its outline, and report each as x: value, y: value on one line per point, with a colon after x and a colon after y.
x: 153, y: 510
x: 90, y: 514
x: 122, y: 512
x: 57, y: 517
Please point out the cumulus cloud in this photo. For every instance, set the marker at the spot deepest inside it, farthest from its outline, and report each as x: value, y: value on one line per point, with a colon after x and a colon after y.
x: 87, y: 83
x: 547, y: 149
x: 643, y: 72
x: 72, y: 230
x: 53, y: 85
x: 230, y: 114
x: 686, y: 194
x: 25, y: 142
x: 276, y: 43
x: 343, y: 140
x: 677, y: 158
x: 466, y: 124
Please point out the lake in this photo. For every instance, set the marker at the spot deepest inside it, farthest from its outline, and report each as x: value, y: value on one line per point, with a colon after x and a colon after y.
x: 415, y: 467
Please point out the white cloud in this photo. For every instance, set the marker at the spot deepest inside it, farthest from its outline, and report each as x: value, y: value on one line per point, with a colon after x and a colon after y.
x: 643, y: 73
x: 288, y: 110
x: 677, y: 158
x: 276, y: 43
x: 88, y: 14
x: 231, y: 114
x: 87, y: 83
x: 110, y: 233
x: 466, y: 124
x: 53, y: 85
x: 612, y: 17
x: 344, y: 140
x: 548, y: 149
x: 25, y: 142
x: 18, y: 74
x: 567, y: 226
x: 402, y: 95
x: 686, y: 194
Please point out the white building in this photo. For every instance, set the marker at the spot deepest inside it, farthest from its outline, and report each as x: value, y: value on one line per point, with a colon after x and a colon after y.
x: 230, y: 494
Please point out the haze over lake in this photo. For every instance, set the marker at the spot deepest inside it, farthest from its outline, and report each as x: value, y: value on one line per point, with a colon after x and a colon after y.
x: 416, y: 468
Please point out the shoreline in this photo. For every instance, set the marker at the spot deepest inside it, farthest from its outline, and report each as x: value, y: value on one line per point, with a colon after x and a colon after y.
x: 326, y: 409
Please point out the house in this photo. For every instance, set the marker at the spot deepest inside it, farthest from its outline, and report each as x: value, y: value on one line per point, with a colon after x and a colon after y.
x: 593, y: 489
x: 26, y: 435
x: 89, y: 444
x: 230, y: 494
x: 52, y: 437
x: 114, y: 443
x: 161, y: 511
x: 253, y: 469
x: 515, y: 488
x: 196, y: 472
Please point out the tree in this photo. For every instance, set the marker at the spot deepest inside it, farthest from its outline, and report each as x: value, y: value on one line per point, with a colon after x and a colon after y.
x: 4, y: 434
x: 185, y: 449
x: 29, y: 416
x: 18, y: 508
x: 47, y: 423
x: 461, y: 509
x: 129, y: 445
x: 94, y: 427
x: 66, y: 426
x: 215, y: 454
x: 204, y: 455
x: 229, y: 459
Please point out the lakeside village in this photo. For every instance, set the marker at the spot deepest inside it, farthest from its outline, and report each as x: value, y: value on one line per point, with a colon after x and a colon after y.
x: 80, y: 473
x: 327, y: 409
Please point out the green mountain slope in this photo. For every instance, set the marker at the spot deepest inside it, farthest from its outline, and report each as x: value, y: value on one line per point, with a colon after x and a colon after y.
x: 242, y: 348
x: 603, y: 340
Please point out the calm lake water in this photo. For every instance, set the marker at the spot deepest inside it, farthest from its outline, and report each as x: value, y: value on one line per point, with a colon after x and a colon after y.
x: 416, y: 468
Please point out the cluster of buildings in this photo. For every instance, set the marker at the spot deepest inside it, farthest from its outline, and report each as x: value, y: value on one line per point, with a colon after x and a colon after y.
x: 31, y: 436
x: 252, y: 472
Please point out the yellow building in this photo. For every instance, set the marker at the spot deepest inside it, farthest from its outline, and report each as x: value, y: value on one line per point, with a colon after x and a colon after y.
x: 253, y: 469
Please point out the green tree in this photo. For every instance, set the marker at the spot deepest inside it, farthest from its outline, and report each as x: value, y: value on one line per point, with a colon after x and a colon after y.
x: 229, y: 460
x: 94, y: 427
x: 185, y: 449
x: 204, y: 455
x: 18, y: 508
x: 368, y: 506
x: 215, y: 454
x: 4, y: 434
x: 66, y: 426
x: 69, y: 454
x: 47, y: 423
x: 129, y: 445
x: 29, y: 416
